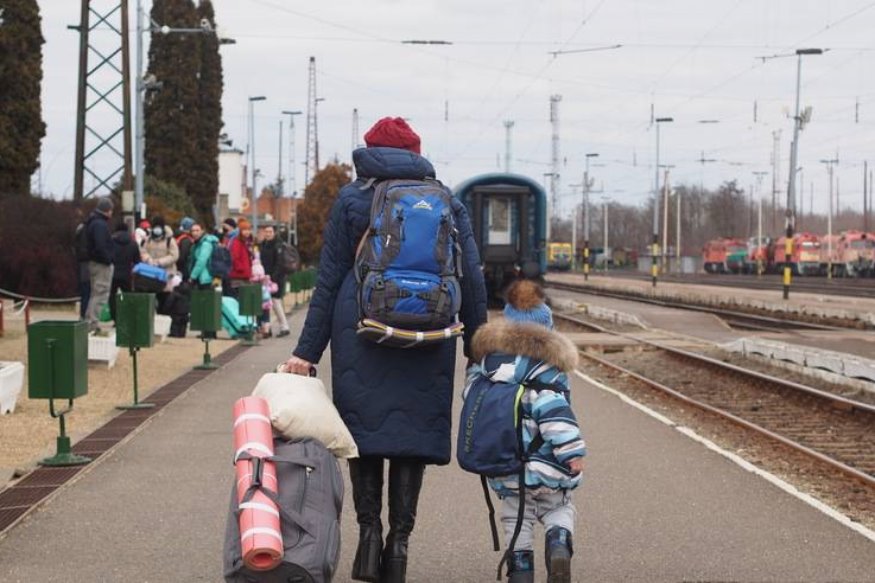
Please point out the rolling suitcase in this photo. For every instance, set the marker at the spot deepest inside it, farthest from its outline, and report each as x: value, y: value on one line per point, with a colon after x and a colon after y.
x: 233, y: 323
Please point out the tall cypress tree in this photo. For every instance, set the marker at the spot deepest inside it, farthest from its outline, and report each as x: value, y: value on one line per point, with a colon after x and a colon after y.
x: 21, y: 74
x: 203, y: 182
x: 172, y: 111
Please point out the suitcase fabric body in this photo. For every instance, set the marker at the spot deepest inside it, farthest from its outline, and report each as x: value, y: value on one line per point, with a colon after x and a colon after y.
x: 310, y: 498
x: 149, y: 278
x: 233, y: 323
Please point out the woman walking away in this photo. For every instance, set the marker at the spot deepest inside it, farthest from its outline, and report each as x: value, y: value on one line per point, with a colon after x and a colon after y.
x: 396, y: 402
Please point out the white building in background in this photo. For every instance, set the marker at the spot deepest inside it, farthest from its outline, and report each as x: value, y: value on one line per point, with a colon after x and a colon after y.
x: 232, y: 182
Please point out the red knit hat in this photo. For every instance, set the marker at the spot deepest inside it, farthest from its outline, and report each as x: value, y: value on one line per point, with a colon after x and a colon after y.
x: 392, y: 132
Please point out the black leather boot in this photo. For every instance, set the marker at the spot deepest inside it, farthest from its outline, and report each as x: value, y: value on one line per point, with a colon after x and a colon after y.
x: 405, y: 482
x: 366, y: 475
x: 557, y: 552
x: 521, y: 567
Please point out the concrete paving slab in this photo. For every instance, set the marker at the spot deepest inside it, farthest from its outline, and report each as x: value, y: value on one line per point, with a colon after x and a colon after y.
x: 843, y: 307
x: 655, y: 506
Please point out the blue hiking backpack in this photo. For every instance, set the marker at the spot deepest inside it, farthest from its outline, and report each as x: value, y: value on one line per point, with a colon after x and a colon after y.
x: 408, y: 263
x: 220, y: 261
x: 490, y: 444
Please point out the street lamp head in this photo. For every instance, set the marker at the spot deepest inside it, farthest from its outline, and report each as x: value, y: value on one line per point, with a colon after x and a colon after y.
x: 709, y: 121
x: 258, y: 98
x: 664, y: 119
x: 227, y: 41
x: 809, y: 51
x: 295, y: 112
x: 592, y: 155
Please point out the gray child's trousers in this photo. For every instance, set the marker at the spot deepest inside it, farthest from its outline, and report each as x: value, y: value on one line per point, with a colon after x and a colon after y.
x: 551, y: 507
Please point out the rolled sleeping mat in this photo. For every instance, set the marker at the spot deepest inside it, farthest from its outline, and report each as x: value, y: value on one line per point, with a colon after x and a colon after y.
x: 260, y: 535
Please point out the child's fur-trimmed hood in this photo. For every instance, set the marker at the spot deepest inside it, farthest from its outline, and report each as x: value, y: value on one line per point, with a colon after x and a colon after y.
x: 526, y: 339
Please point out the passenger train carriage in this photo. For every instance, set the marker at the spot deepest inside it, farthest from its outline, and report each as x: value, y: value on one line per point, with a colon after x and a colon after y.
x: 509, y: 217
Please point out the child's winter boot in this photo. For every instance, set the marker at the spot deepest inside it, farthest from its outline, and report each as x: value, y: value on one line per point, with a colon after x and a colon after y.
x: 558, y: 551
x: 521, y: 567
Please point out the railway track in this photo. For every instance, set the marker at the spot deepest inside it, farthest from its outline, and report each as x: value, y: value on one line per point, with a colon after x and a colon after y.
x: 735, y: 318
x: 826, y: 427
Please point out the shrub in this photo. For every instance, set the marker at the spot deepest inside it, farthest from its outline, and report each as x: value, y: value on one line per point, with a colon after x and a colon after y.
x: 36, y: 247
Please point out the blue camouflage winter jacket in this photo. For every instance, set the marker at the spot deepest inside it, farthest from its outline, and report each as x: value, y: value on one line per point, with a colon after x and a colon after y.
x: 395, y: 402
x: 539, y: 359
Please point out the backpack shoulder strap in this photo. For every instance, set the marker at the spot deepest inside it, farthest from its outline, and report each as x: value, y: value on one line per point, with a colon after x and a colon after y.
x: 521, y: 478
x: 492, y: 525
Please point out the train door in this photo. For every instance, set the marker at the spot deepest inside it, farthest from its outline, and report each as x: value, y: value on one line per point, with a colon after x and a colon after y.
x: 499, y: 221
x: 499, y: 215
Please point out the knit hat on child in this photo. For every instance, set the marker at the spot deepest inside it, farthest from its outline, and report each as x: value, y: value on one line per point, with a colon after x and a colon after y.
x: 525, y: 304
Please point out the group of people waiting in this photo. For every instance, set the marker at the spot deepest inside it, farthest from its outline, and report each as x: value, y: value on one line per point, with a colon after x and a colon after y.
x: 107, y: 254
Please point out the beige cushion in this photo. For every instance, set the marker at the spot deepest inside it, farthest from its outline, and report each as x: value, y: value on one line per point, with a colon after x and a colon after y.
x: 300, y: 407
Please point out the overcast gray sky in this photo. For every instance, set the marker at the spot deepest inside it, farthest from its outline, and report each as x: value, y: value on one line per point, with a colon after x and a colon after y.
x: 693, y: 60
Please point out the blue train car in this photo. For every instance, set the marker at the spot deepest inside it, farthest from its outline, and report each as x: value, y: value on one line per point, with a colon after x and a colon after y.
x: 509, y: 217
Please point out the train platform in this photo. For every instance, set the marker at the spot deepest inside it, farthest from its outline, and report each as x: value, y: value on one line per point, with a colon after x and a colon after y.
x: 655, y: 505
x: 827, y: 306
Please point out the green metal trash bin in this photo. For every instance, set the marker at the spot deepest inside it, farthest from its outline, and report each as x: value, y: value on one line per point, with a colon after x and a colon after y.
x: 57, y: 368
x: 250, y: 300
x: 135, y: 320
x: 57, y: 358
x: 295, y: 282
x: 206, y: 310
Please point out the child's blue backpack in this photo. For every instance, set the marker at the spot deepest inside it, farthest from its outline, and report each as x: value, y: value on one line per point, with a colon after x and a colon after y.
x: 490, y: 433
x: 408, y: 263
x: 490, y: 443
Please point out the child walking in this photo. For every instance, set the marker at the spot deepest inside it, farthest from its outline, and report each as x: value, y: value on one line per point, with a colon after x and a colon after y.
x: 524, y: 350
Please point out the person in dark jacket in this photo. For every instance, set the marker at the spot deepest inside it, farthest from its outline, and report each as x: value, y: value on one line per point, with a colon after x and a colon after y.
x: 100, y: 255
x: 396, y: 402
x: 273, y: 266
x: 185, y: 242
x: 126, y: 255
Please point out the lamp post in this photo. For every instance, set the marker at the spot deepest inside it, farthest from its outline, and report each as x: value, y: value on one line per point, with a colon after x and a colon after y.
x: 142, y: 85
x: 760, y: 247
x: 254, y: 201
x: 665, y: 262
x: 587, y: 184
x: 791, y: 185
x: 829, y: 165
x: 654, y: 269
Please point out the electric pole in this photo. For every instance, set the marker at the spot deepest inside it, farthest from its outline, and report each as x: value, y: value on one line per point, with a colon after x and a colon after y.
x: 312, y: 139
x: 554, y: 176
x: 776, y: 170
x: 104, y: 96
x: 508, y: 126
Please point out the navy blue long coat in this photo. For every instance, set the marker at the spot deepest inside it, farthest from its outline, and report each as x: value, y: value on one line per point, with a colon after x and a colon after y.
x: 396, y: 402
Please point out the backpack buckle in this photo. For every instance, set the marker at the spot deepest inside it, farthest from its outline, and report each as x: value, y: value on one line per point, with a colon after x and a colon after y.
x: 257, y: 472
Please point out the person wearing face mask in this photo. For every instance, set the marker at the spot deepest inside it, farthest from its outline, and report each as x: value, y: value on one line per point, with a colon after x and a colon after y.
x: 161, y: 250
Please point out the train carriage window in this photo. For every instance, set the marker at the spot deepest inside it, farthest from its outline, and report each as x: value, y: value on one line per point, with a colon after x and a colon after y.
x: 499, y: 221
